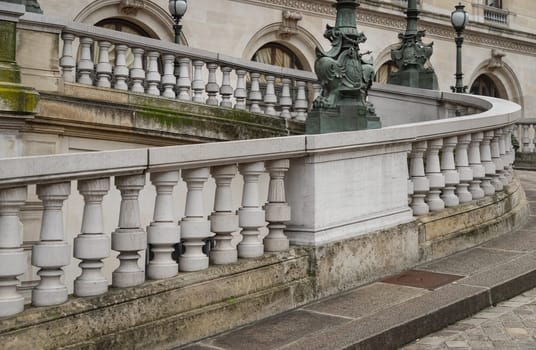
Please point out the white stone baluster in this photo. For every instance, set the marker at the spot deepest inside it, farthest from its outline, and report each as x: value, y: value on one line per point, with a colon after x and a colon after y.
x: 277, y: 210
x: 487, y: 163
x: 463, y: 168
x: 510, y: 155
x: 104, y: 67
x: 503, y: 171
x: 255, y: 96
x: 85, y: 64
x: 153, y: 76
x: 498, y: 178
x: 51, y: 253
x: 434, y: 175
x: 168, y: 79
x: 137, y: 74
x: 421, y: 185
x: 67, y: 62
x: 286, y: 100
x: 478, y: 169
x: 129, y: 238
x: 251, y: 215
x: 92, y: 245
x: 223, y: 220
x: 198, y: 85
x: 240, y: 92
x: 121, y: 69
x: 212, y: 87
x: 163, y: 232
x: 448, y: 168
x: 300, y: 104
x: 12, y: 256
x: 184, y: 83
x: 317, y: 91
x: 226, y: 90
x: 525, y: 147
x: 195, y: 228
x: 270, y: 99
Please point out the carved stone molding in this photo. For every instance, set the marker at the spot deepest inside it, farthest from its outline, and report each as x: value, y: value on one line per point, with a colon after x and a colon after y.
x: 289, y: 24
x: 394, y: 22
x: 130, y: 7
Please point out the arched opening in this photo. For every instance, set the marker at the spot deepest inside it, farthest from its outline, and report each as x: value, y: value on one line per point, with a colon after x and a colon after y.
x: 382, y: 74
x: 122, y: 25
x: 278, y: 55
x: 485, y: 86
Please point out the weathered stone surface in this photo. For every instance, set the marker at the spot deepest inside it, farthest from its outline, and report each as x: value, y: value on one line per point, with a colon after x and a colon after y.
x: 341, y: 265
x: 129, y: 117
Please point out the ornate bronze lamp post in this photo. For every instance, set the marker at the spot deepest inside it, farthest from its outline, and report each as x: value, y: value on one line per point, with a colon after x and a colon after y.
x: 346, y: 77
x: 412, y: 55
x: 459, y: 19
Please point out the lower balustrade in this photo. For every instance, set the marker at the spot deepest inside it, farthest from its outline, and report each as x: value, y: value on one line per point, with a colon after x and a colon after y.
x: 130, y: 239
x: 470, y: 167
x: 325, y: 179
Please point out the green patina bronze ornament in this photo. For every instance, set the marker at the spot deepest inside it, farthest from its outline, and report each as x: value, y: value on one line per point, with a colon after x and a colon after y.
x: 31, y: 5
x: 345, y: 76
x: 412, y: 55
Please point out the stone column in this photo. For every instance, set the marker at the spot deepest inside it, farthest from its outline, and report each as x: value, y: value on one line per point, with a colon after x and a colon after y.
x: 270, y: 99
x: 92, y: 245
x: 137, y: 74
x: 153, y: 75
x: 51, y: 253
x: 184, y: 83
x: 129, y: 238
x: 67, y: 62
x: 251, y: 216
x: 168, y: 79
x: 195, y: 228
x: 104, y: 68
x: 121, y: 69
x: 212, y: 87
x: 451, y: 175
x: 226, y: 90
x: 255, y: 96
x: 421, y: 184
x: 223, y: 220
x: 198, y: 85
x: 500, y: 163
x: 463, y: 168
x: 489, y: 166
x: 163, y: 232
x: 277, y: 209
x: 476, y: 165
x: 240, y: 92
x: 435, y: 178
x: 85, y: 63
x: 12, y: 256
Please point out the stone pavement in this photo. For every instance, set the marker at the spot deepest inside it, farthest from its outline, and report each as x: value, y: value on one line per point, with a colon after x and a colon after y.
x: 391, y: 313
x: 511, y: 325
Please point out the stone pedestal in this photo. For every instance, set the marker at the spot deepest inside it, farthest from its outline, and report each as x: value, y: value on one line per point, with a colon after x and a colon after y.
x: 343, y: 118
x: 422, y: 79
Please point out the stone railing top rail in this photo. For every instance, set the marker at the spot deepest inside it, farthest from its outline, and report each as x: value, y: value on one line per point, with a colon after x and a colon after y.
x: 527, y: 121
x: 55, y: 168
x: 45, y: 23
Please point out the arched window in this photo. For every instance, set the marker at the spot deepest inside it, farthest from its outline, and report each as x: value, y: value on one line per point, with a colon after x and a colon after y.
x: 494, y: 3
x: 485, y: 86
x: 384, y: 71
x: 277, y: 55
x: 122, y: 25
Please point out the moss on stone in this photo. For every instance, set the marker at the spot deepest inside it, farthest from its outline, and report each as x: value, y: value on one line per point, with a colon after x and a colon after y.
x: 17, y: 99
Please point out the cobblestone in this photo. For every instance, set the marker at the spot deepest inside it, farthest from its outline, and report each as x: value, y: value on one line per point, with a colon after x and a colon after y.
x: 511, y: 325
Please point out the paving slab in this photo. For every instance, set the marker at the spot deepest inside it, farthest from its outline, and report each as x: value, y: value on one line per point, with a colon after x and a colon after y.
x: 277, y: 331
x: 520, y: 241
x: 470, y: 261
x: 367, y: 300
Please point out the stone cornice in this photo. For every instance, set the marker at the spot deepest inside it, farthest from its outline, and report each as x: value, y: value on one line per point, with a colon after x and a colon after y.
x: 509, y: 40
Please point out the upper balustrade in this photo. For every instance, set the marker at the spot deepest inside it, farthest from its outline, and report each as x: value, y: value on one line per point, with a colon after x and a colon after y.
x: 334, y: 185
x: 106, y: 58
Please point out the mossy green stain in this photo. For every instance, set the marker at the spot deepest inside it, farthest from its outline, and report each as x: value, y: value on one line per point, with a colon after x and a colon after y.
x: 18, y: 99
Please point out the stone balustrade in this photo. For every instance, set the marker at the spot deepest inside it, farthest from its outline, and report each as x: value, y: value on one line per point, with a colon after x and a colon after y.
x: 109, y: 59
x: 335, y: 186
x: 495, y: 15
x: 525, y: 135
